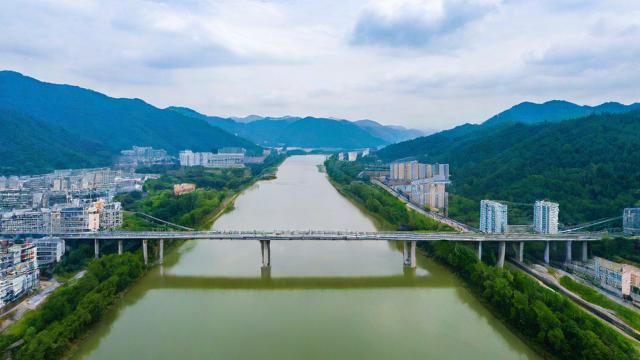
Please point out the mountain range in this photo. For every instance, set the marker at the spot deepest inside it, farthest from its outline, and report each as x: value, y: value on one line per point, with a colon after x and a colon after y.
x: 307, y: 131
x: 587, y: 164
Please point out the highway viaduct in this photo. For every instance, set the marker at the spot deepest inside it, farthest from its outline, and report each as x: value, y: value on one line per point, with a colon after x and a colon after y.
x: 409, y: 240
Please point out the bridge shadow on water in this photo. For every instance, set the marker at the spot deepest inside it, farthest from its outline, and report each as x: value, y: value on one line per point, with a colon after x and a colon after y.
x: 407, y: 280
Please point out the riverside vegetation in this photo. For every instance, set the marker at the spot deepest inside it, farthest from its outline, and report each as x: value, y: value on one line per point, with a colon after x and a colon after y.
x: 548, y: 320
x: 49, y: 331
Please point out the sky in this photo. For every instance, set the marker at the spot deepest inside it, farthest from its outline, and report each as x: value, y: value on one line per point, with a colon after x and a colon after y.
x: 427, y: 64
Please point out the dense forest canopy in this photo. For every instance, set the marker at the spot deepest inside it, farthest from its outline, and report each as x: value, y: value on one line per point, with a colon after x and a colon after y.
x: 588, y: 165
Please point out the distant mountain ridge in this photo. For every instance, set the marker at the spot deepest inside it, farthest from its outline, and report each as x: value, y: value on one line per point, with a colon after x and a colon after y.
x: 555, y: 111
x: 308, y: 131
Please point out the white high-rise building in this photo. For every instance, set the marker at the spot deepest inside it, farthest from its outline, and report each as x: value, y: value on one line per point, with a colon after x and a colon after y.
x: 631, y: 221
x: 545, y: 217
x: 493, y: 217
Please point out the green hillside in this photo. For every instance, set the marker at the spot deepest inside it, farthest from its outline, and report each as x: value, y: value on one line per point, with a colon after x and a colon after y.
x: 32, y: 146
x: 115, y: 123
x: 588, y: 165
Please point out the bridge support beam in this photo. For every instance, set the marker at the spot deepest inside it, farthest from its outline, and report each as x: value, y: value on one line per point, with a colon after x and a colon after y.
x: 479, y: 250
x: 409, y: 254
x: 161, y: 251
x: 585, y: 251
x: 119, y: 247
x: 265, y: 246
x: 521, y: 251
x: 96, y: 247
x: 145, y: 254
x: 568, y: 252
x: 546, y: 253
x: 501, y: 250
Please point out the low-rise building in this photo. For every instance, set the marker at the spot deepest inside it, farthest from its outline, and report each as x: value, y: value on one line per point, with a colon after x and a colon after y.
x: 622, y: 279
x: 225, y: 158
x: 184, y: 188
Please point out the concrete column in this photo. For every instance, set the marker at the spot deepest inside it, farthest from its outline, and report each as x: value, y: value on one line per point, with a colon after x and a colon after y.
x: 546, y: 253
x: 96, y: 247
x: 568, y: 254
x: 265, y: 246
x: 479, y: 251
x: 409, y: 254
x: 145, y: 254
x: 119, y: 247
x: 161, y: 251
x: 585, y: 251
x: 521, y: 251
x: 501, y: 250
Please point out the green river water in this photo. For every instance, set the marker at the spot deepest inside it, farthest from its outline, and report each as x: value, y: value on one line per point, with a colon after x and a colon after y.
x: 322, y: 300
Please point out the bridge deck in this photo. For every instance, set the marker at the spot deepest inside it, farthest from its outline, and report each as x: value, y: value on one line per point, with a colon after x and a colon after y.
x: 325, y: 235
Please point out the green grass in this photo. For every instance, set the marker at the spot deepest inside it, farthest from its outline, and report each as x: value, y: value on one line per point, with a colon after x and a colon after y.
x: 629, y: 316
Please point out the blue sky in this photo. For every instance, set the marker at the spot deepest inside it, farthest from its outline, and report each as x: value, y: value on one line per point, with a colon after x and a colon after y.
x: 429, y: 64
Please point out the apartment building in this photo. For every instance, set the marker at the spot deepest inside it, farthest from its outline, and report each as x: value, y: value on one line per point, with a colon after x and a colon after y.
x: 545, y: 217
x: 19, y: 271
x: 620, y: 278
x: 493, y: 217
x: 423, y: 184
x: 631, y: 221
x: 49, y: 250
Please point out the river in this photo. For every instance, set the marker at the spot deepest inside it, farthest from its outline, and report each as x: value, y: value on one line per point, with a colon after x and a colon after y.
x: 322, y: 300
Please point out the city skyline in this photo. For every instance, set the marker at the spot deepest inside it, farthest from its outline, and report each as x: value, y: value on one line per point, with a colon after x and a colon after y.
x: 421, y: 64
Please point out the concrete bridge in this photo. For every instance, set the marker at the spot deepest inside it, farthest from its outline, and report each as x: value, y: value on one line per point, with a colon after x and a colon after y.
x: 409, y: 240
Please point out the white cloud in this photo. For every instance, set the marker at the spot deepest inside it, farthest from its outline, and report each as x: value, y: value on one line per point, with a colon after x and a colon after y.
x: 428, y: 64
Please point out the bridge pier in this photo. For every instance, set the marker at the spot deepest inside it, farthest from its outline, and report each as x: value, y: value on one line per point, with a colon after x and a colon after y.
x: 145, y: 254
x: 161, y: 251
x: 546, y: 253
x: 479, y: 250
x: 409, y: 254
x: 501, y: 250
x: 265, y: 246
x: 119, y: 247
x: 585, y: 251
x: 96, y: 247
x: 521, y: 251
x: 568, y: 252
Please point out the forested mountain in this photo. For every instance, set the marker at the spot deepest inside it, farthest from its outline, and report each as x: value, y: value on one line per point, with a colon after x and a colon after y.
x: 308, y: 131
x: 589, y: 165
x: 114, y: 123
x: 31, y: 146
x: 555, y: 111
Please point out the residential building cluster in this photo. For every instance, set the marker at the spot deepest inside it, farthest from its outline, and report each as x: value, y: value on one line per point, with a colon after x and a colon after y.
x: 143, y: 156
x: 631, y: 221
x: 224, y: 158
x: 424, y: 184
x: 19, y: 272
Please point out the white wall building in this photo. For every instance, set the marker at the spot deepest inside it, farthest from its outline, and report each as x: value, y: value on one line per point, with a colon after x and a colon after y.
x: 49, y: 250
x: 493, y: 217
x: 209, y: 159
x: 631, y: 221
x: 545, y: 217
